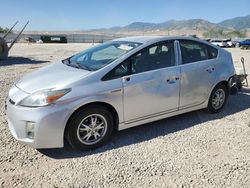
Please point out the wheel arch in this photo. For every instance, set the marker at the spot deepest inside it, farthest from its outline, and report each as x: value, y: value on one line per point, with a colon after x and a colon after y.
x: 223, y: 82
x: 107, y: 105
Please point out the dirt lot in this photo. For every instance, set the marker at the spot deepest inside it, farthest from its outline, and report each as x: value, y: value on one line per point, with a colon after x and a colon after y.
x: 192, y: 150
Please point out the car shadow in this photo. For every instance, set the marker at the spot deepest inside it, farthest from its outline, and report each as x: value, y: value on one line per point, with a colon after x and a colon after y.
x: 156, y: 129
x: 20, y: 60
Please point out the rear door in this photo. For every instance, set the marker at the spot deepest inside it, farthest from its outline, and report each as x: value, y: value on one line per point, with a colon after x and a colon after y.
x: 197, y: 72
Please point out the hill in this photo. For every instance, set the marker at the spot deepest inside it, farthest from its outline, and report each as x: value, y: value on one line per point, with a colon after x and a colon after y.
x: 193, y: 24
x: 236, y: 23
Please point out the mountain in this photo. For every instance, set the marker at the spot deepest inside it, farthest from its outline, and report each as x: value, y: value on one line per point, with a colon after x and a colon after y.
x: 193, y: 24
x: 237, y: 23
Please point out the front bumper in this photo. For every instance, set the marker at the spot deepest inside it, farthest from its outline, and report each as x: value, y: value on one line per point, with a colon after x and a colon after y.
x: 50, y: 122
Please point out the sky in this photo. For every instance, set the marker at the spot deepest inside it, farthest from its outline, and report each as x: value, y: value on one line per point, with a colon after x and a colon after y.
x: 89, y: 14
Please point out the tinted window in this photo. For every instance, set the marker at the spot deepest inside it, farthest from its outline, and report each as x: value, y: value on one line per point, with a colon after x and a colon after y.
x: 192, y: 51
x: 213, y: 52
x: 157, y: 56
x: 152, y: 50
x: 121, y: 70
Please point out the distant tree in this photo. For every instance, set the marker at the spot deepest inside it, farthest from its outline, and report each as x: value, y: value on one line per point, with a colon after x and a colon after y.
x: 3, y: 30
x: 236, y: 33
x: 224, y: 34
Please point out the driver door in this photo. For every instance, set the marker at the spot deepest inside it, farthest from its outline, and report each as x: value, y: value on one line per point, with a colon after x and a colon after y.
x: 153, y: 87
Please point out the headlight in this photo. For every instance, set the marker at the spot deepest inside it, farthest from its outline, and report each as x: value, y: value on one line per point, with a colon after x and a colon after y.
x: 43, y: 97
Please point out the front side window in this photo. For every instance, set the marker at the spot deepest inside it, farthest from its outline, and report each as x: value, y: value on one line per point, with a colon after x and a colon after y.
x: 157, y: 56
x: 121, y: 70
x: 100, y: 56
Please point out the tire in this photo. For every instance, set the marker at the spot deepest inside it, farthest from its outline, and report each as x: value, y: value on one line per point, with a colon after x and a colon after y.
x: 217, y: 99
x: 4, y: 50
x: 85, y: 125
x: 239, y: 85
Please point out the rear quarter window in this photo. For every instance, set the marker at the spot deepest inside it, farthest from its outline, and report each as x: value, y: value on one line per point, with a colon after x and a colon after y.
x: 213, y: 52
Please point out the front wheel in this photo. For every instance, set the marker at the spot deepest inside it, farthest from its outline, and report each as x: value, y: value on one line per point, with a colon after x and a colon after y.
x: 89, y: 128
x: 218, y: 98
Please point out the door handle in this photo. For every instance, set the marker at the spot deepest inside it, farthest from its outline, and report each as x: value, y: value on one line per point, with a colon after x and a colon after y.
x: 170, y: 81
x: 173, y: 79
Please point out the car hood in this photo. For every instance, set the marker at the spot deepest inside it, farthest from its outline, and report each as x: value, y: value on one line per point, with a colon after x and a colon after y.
x: 56, y: 75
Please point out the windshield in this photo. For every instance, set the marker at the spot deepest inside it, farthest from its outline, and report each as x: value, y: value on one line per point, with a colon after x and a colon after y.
x: 100, y: 56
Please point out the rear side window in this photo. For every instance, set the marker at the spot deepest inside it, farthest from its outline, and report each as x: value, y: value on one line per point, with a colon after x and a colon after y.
x: 193, y: 51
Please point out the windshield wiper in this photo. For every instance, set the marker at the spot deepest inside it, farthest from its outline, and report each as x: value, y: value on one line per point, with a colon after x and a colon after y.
x: 66, y: 61
x: 79, y: 65
x: 76, y: 65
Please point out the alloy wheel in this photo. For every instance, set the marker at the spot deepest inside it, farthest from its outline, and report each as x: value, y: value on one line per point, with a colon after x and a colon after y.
x: 218, y: 99
x: 92, y: 129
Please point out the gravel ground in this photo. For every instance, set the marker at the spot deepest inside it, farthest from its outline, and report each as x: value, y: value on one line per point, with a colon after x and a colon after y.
x: 196, y: 149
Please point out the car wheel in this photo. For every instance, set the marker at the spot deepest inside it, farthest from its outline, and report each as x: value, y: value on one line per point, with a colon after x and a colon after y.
x: 218, y: 98
x: 239, y: 85
x: 89, y: 128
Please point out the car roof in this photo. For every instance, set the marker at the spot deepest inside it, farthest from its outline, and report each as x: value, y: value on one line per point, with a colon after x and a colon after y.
x: 139, y: 39
x: 145, y: 39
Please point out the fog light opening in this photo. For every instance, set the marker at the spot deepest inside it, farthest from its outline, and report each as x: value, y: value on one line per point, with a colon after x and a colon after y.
x: 30, y: 135
x: 30, y: 129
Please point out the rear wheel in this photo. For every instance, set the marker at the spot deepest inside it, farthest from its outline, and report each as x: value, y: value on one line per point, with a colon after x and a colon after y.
x: 89, y: 128
x: 218, y: 98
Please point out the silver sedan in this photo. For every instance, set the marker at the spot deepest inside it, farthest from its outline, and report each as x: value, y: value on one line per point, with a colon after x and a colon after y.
x: 117, y: 85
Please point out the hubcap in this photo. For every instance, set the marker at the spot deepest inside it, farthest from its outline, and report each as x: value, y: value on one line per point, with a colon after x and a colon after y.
x: 218, y: 99
x: 92, y: 129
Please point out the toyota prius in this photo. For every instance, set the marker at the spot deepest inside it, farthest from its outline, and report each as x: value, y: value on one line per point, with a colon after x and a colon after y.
x: 117, y: 85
